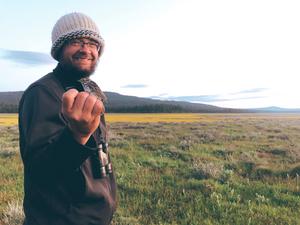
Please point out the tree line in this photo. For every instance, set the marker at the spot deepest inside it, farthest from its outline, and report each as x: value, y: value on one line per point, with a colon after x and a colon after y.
x: 8, y: 108
x: 158, y: 108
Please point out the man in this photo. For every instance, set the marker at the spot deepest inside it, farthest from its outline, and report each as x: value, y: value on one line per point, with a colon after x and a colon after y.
x: 68, y: 178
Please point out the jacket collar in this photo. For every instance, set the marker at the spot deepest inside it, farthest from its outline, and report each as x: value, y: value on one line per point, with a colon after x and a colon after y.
x: 66, y: 79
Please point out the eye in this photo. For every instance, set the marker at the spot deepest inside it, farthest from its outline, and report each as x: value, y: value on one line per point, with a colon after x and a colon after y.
x: 93, y: 44
x: 76, y: 42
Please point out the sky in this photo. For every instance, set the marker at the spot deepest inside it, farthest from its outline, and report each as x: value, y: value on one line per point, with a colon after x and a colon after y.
x: 233, y: 53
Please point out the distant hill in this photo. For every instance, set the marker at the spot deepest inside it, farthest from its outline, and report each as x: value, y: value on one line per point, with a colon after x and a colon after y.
x: 12, y: 97
x: 9, y: 101
x: 127, y: 104
x: 130, y: 104
x: 124, y: 103
x: 274, y: 109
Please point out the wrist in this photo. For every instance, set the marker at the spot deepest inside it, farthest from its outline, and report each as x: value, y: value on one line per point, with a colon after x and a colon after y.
x: 80, y: 138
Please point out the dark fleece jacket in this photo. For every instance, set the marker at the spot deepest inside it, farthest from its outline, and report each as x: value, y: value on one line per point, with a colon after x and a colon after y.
x: 59, y: 185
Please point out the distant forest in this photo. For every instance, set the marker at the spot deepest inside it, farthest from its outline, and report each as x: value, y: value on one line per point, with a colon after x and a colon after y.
x: 158, y: 108
x: 11, y: 108
x: 8, y: 108
x: 118, y: 103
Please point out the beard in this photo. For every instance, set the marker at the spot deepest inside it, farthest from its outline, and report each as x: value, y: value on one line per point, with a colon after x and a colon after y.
x: 78, y: 73
x: 75, y: 70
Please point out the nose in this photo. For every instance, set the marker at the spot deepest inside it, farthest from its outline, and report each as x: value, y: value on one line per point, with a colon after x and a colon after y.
x: 84, y: 45
x: 84, y: 49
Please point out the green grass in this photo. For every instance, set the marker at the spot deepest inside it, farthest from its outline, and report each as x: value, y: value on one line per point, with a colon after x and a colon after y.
x: 240, y: 169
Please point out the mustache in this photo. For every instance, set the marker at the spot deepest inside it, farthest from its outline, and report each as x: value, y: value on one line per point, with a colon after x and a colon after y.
x: 83, y: 55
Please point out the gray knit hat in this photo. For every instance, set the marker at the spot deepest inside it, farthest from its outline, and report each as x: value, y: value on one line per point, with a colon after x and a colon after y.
x: 74, y: 25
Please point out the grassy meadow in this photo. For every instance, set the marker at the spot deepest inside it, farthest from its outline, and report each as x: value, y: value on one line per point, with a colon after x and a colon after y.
x: 187, y: 169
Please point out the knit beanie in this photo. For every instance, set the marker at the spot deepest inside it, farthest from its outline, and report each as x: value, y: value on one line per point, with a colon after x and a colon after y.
x: 71, y: 26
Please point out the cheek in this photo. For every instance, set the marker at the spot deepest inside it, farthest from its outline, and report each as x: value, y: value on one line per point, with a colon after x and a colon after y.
x: 67, y: 52
x: 66, y: 57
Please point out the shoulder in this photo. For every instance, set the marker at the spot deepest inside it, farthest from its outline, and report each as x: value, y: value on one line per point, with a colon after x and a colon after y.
x: 47, y: 84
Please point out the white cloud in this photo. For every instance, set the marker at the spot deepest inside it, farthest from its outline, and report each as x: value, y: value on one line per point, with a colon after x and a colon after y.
x: 211, y: 47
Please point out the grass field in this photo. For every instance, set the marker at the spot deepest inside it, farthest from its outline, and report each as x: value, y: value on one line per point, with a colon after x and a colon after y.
x: 187, y: 168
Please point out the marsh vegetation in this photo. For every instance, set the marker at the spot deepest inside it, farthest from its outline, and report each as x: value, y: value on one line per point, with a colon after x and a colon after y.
x: 188, y: 169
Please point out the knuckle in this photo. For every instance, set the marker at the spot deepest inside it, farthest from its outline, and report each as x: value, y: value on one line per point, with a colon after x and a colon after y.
x: 98, y: 105
x: 93, y: 97
x: 79, y: 119
x: 83, y: 94
x: 65, y: 97
x: 70, y: 93
x: 84, y: 120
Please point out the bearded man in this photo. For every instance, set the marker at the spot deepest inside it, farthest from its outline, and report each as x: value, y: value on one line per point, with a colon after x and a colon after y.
x: 68, y: 176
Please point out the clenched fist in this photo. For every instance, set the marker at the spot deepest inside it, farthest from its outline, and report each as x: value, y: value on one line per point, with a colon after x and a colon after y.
x: 82, y: 111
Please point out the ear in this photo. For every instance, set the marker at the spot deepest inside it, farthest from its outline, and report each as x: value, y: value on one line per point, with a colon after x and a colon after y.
x: 100, y: 52
x: 98, y: 57
x: 60, y: 53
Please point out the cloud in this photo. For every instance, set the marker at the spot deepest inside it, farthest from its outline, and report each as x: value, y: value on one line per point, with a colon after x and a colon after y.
x: 253, y: 90
x: 26, y: 57
x: 205, y: 98
x: 163, y: 94
x: 135, y: 86
x: 195, y: 98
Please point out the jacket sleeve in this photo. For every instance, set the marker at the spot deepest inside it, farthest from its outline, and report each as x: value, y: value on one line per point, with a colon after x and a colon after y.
x: 47, y: 147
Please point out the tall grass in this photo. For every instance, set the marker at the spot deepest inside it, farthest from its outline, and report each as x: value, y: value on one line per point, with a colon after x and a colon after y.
x: 13, y: 213
x: 219, y: 169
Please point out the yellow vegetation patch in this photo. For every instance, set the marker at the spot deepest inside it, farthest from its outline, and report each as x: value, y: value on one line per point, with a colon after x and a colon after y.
x: 12, y: 119
x: 8, y: 119
x: 195, y: 117
x: 160, y: 117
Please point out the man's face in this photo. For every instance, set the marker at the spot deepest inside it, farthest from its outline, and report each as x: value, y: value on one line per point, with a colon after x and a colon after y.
x: 80, y: 57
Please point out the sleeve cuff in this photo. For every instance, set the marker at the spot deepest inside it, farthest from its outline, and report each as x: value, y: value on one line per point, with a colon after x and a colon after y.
x: 73, y: 153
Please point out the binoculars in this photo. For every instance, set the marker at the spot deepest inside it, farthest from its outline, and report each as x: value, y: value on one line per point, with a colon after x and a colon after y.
x: 101, y: 161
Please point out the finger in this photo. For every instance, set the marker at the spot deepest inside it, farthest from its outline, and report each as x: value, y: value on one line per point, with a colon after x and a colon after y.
x: 96, y: 121
x: 68, y: 99
x: 98, y: 108
x: 89, y: 104
x: 79, y: 101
